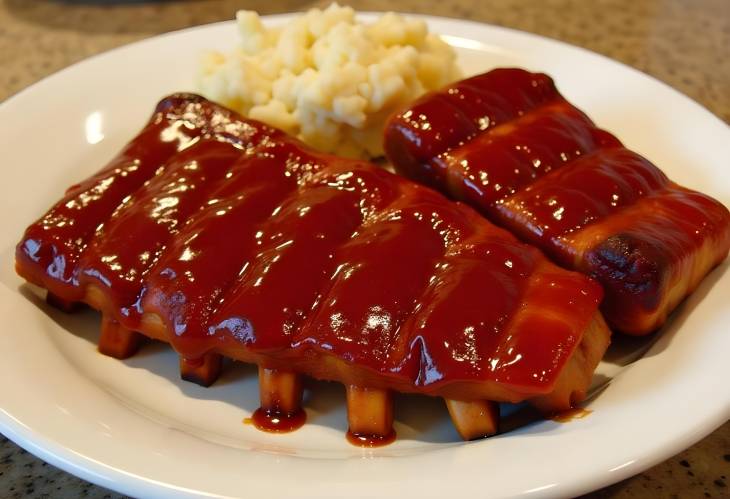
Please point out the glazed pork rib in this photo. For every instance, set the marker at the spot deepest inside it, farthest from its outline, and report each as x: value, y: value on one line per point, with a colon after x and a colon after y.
x: 507, y: 143
x: 225, y: 238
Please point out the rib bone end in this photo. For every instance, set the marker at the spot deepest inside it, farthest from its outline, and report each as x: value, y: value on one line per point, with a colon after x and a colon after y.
x: 61, y: 303
x: 370, y: 416
x: 203, y: 370
x: 281, y: 401
x: 116, y: 340
x: 475, y: 419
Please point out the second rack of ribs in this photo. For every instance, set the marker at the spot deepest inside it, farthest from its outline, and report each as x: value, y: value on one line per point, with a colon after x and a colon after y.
x: 224, y: 237
x: 507, y: 143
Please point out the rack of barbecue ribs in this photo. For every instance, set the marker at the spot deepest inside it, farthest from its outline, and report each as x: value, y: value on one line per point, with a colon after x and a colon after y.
x: 227, y: 239
x: 507, y: 143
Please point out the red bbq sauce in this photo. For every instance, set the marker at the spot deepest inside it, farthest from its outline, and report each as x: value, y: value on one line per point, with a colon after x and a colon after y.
x: 268, y: 248
x: 250, y: 241
x: 369, y: 440
x: 549, y: 175
x: 570, y: 415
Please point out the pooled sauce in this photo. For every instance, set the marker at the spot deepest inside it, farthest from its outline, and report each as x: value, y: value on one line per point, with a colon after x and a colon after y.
x: 277, y: 421
x: 369, y: 440
x: 570, y: 415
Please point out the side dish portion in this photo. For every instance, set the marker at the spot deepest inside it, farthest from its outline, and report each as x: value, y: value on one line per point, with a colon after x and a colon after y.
x: 226, y: 238
x: 326, y: 77
x: 507, y: 143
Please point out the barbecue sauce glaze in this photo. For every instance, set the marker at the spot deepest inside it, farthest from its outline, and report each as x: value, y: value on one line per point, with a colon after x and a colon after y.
x: 507, y: 143
x: 243, y: 242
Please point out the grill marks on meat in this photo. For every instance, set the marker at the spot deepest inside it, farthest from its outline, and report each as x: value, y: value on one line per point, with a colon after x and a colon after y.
x: 225, y: 238
x: 509, y: 144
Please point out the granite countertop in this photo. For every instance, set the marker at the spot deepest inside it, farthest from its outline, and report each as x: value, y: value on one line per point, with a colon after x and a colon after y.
x: 684, y: 44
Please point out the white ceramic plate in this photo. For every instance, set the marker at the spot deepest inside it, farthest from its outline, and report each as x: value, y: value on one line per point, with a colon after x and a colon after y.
x: 133, y: 427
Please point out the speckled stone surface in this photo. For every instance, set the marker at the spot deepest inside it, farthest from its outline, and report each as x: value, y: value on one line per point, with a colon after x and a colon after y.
x: 686, y: 44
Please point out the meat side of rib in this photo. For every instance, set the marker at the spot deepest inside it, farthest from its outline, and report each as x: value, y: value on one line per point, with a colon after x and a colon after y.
x: 219, y: 234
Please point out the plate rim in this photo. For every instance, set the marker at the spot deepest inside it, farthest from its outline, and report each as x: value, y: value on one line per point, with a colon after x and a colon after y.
x: 55, y: 453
